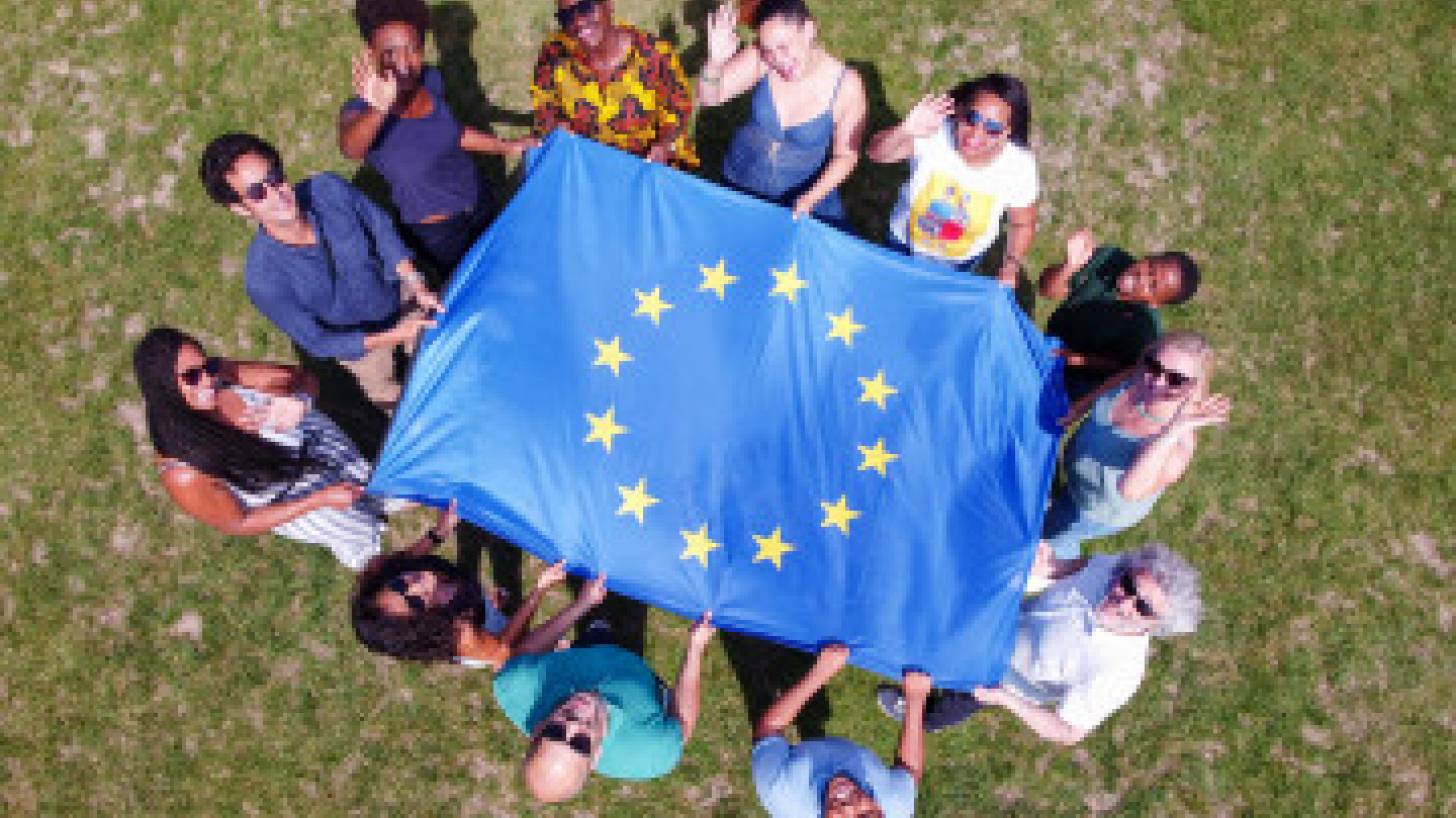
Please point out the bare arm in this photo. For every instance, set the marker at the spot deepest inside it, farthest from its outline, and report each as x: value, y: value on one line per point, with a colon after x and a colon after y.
x: 1020, y: 230
x: 477, y: 141
x: 849, y: 123
x: 911, y: 752
x: 1055, y: 278
x: 544, y: 638
x: 897, y: 143
x: 269, y: 378
x: 729, y: 69
x: 777, y: 718
x: 1042, y: 721
x: 208, y: 500
x: 1165, y: 456
x: 686, y: 696
x: 552, y: 576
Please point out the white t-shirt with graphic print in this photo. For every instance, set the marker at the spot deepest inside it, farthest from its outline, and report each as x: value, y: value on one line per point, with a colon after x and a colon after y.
x: 952, y: 211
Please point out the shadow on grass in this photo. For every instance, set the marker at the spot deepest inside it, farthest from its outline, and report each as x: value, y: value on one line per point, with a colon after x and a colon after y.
x: 765, y: 670
x: 506, y: 561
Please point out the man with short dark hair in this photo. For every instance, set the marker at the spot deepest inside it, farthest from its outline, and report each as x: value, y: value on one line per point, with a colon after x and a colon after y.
x: 834, y: 777
x: 325, y: 265
x: 1109, y: 310
x: 1082, y: 645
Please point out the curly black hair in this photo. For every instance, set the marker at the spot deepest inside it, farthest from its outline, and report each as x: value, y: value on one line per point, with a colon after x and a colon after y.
x: 423, y: 636
x: 371, y: 14
x: 222, y: 153
x: 1191, y: 276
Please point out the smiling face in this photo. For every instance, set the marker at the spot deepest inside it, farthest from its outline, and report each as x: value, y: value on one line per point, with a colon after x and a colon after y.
x: 565, y: 746
x: 844, y: 798
x: 590, y: 21
x: 398, y: 49
x: 1133, y: 604
x: 413, y: 592
x: 1163, y: 364
x: 1151, y: 281
x: 263, y: 193
x: 197, y: 385
x: 785, y: 46
x: 976, y: 143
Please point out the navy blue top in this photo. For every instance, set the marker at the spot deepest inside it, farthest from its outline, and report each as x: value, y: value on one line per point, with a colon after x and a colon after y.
x: 428, y: 172
x: 328, y: 295
x: 778, y: 163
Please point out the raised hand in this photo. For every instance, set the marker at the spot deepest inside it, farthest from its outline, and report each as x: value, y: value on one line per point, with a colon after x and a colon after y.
x: 409, y: 328
x: 701, y: 632
x: 553, y: 575
x: 592, y: 593
x: 339, y: 495
x: 722, y: 34
x: 926, y: 116
x: 379, y: 89
x: 916, y: 684
x: 832, y: 659
x: 1199, y: 412
x: 1080, y: 247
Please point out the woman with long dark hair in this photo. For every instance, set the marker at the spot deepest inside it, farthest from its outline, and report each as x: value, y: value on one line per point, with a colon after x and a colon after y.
x: 240, y: 448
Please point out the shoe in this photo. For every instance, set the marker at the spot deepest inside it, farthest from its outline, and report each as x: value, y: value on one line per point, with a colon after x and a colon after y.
x: 944, y: 709
x: 891, y: 701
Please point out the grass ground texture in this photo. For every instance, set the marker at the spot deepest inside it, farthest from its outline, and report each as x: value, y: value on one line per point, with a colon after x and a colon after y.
x: 1303, y: 150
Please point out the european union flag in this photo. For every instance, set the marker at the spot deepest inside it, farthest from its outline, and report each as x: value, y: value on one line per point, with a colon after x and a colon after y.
x: 726, y: 409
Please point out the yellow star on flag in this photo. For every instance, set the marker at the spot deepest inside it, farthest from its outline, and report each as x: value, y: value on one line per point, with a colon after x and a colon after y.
x: 651, y: 305
x: 787, y: 283
x: 611, y: 354
x: 876, y: 390
x: 875, y: 457
x: 843, y: 327
x: 838, y: 514
x: 699, y: 544
x: 716, y: 278
x: 772, y: 548
x: 604, y: 427
x: 636, y: 500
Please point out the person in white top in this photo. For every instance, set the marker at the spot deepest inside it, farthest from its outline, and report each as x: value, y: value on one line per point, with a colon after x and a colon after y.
x: 1082, y: 645
x: 970, y: 165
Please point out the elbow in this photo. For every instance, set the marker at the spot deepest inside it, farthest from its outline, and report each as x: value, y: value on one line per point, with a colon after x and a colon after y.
x: 1069, y: 736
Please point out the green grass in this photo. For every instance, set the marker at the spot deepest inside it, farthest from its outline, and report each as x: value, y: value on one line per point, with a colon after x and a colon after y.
x: 1303, y: 150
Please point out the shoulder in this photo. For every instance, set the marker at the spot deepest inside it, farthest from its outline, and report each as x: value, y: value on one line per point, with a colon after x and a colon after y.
x: 326, y: 185
x: 433, y: 80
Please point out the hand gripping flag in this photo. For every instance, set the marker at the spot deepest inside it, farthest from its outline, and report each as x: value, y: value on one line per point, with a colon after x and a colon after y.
x: 722, y: 408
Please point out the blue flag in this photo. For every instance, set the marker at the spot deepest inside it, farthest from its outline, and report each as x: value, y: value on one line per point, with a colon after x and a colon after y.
x: 722, y: 408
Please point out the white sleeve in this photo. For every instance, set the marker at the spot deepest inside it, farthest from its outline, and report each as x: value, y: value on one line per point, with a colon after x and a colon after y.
x: 1026, y: 186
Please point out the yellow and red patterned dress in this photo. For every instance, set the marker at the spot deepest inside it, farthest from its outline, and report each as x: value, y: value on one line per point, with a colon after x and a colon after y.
x: 646, y: 97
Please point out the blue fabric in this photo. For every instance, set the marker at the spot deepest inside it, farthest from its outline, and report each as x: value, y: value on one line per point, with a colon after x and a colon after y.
x: 778, y: 163
x: 429, y: 174
x: 743, y: 416
x: 790, y: 778
x: 328, y: 295
x: 642, y: 740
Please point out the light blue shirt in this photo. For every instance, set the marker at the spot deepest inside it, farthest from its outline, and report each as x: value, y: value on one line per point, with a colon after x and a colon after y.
x: 790, y: 778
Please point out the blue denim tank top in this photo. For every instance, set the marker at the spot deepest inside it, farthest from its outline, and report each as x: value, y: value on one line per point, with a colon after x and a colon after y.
x: 778, y: 163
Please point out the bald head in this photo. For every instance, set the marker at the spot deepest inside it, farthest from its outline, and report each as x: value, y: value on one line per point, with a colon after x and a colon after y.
x: 553, y: 772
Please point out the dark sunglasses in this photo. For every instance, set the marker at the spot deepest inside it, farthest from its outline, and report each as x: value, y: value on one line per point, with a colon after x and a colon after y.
x: 565, y: 17
x: 1175, y: 379
x: 994, y: 127
x: 258, y: 191
x: 399, y: 586
x: 1130, y: 591
x: 556, y: 731
x: 193, y: 374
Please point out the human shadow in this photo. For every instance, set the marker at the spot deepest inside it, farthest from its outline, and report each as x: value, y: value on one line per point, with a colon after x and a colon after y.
x: 506, y: 561
x: 765, y: 670
x: 869, y: 192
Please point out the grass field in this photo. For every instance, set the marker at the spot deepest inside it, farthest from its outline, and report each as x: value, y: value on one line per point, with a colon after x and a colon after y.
x: 1304, y: 151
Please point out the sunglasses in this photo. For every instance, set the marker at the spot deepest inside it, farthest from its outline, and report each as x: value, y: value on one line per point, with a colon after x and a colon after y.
x: 1129, y: 588
x: 565, y: 17
x: 1175, y: 379
x: 556, y: 731
x: 399, y: 586
x: 258, y: 191
x: 192, y: 375
x: 993, y: 127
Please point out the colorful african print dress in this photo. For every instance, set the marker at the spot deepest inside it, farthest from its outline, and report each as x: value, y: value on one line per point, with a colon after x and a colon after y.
x: 647, y: 96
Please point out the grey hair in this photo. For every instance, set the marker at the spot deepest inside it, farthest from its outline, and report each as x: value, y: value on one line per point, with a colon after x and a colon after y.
x: 1179, y: 581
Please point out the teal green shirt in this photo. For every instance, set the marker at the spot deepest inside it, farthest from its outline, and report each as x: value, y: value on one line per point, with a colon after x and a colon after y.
x: 1092, y: 320
x: 642, y: 740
